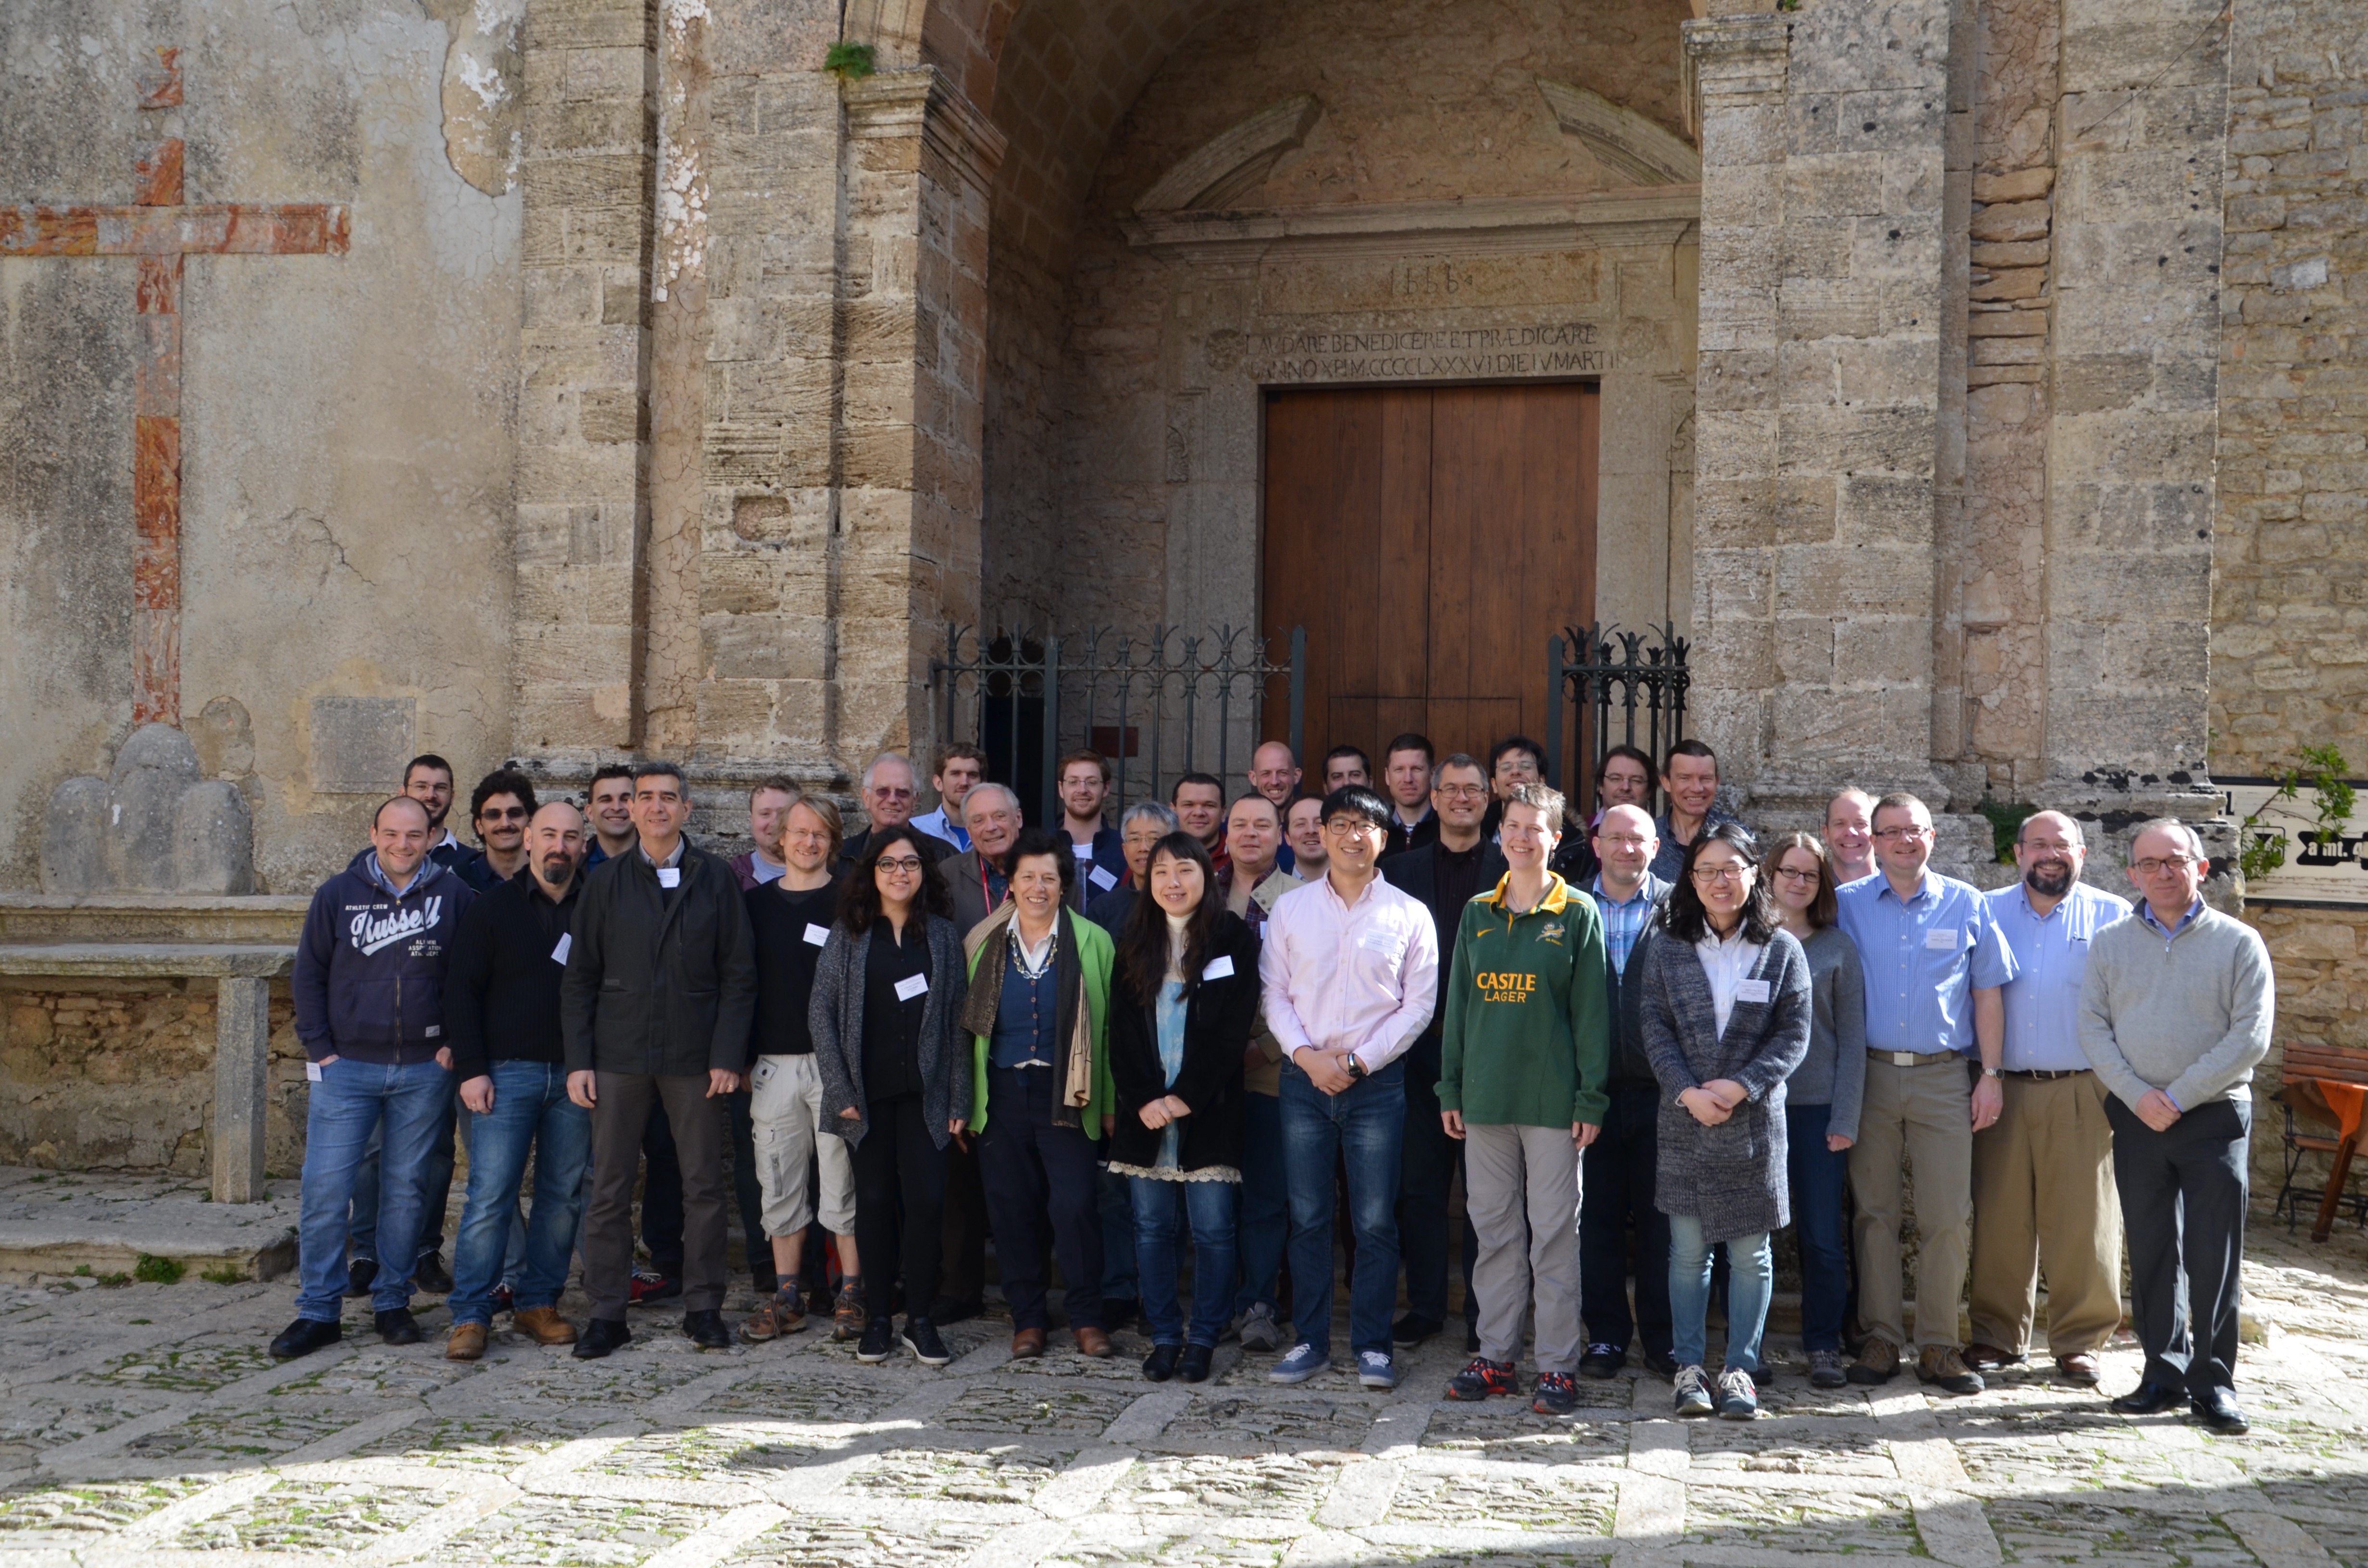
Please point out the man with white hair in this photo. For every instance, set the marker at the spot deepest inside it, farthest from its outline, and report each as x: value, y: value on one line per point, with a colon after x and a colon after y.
x: 2175, y: 1013
x: 890, y: 793
x: 2044, y: 1172
x: 978, y: 877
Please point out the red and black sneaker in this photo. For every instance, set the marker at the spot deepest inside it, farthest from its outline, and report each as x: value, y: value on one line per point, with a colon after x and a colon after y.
x: 503, y: 1302
x: 1482, y: 1378
x: 1557, y: 1394
x: 648, y: 1287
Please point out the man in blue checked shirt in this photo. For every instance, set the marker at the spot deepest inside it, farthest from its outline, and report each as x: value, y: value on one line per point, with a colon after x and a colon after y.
x: 1935, y: 963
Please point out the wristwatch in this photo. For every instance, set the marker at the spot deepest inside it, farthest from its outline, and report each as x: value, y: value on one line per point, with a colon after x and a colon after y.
x: 1356, y: 1068
x: 1988, y: 1072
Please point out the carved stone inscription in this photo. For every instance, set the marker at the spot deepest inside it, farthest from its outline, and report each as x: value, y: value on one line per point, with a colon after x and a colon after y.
x: 1382, y: 354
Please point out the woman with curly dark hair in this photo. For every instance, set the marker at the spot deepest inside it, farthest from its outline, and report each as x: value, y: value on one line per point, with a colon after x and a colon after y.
x: 888, y: 992
x: 1726, y: 1013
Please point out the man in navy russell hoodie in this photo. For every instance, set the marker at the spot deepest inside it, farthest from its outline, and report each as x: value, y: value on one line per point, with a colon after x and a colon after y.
x: 370, y: 982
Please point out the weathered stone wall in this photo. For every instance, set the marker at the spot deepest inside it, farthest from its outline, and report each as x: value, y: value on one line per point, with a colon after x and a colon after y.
x: 120, y: 1075
x: 2290, y: 602
x: 344, y: 438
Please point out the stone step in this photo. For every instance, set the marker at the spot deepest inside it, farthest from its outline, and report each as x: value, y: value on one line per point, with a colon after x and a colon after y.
x: 105, y: 1223
x: 150, y: 917
x: 147, y: 960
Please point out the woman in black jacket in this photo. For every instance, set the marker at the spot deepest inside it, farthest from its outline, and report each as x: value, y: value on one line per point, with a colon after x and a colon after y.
x: 895, y: 1072
x: 1184, y: 997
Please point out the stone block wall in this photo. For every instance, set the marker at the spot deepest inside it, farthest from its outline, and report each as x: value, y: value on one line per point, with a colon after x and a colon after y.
x: 2290, y: 602
x: 120, y: 1075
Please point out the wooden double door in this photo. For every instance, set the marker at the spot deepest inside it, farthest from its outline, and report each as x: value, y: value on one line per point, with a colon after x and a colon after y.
x: 1430, y: 539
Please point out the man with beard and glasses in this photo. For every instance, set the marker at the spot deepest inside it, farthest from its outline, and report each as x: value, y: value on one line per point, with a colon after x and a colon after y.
x: 2043, y: 1194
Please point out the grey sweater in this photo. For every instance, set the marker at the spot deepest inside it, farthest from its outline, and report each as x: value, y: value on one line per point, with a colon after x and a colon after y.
x: 1834, y: 1072
x: 2190, y: 1017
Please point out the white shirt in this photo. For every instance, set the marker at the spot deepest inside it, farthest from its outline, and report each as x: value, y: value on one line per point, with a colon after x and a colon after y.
x: 1363, y: 977
x: 1726, y: 963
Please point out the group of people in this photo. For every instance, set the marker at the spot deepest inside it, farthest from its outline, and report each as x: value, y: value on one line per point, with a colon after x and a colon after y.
x: 1640, y: 1041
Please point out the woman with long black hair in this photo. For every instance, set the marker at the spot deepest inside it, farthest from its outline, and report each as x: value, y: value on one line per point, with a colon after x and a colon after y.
x: 895, y: 1074
x: 1726, y: 1017
x: 1184, y: 999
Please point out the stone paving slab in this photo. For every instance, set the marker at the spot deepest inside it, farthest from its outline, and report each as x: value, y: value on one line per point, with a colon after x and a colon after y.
x: 142, y: 1425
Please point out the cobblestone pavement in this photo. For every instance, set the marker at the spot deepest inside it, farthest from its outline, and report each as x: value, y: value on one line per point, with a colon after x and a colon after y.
x: 143, y: 1425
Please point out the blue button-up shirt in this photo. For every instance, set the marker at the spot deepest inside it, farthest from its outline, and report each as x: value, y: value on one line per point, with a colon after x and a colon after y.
x: 1624, y: 921
x: 1923, y: 959
x: 2051, y: 952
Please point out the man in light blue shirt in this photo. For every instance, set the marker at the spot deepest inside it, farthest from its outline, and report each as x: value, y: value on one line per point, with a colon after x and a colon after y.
x: 1934, y: 961
x: 959, y: 766
x: 2043, y: 1194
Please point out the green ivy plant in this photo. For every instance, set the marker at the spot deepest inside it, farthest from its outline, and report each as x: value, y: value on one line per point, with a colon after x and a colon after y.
x: 850, y: 62
x: 2265, y: 845
x: 2007, y: 818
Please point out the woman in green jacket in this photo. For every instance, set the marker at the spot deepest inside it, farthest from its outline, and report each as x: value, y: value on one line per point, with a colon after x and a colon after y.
x: 1038, y: 1015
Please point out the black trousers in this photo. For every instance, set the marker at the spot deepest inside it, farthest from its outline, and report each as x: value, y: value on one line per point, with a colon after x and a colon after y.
x: 962, y: 1260
x: 661, y: 1195
x: 1426, y: 1185
x: 1044, y: 1192
x: 1618, y: 1188
x: 2183, y: 1195
x: 900, y: 1201
x: 620, y: 1119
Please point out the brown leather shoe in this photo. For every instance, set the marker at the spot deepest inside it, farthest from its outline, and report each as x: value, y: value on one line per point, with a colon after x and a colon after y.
x: 1095, y: 1343
x: 2080, y: 1368
x: 1878, y: 1362
x: 1027, y: 1344
x: 543, y: 1325
x: 467, y: 1344
x: 1989, y: 1357
x: 1945, y: 1365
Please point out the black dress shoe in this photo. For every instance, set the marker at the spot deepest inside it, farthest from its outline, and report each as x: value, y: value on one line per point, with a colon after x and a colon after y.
x: 397, y: 1327
x: 2217, y: 1408
x: 305, y: 1335
x: 1160, y: 1365
x: 430, y: 1276
x: 1410, y: 1331
x: 360, y: 1275
x: 600, y: 1337
x: 1192, y: 1367
x: 1120, y: 1312
x: 946, y: 1310
x: 706, y: 1330
x: 2148, y: 1399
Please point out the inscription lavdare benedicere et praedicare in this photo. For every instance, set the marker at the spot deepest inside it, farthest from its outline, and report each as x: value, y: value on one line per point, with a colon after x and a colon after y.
x: 1529, y: 348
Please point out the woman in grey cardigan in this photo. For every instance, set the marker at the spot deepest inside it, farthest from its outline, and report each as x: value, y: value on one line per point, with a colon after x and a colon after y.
x: 895, y: 1074
x: 1727, y: 1020
x: 1821, y: 1098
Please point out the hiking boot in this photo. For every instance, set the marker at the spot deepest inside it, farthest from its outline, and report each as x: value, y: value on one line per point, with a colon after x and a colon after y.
x: 543, y: 1325
x: 1942, y: 1364
x: 1557, y: 1394
x: 1738, y: 1399
x: 780, y: 1314
x: 1483, y: 1378
x: 846, y: 1314
x: 467, y: 1342
x: 1826, y: 1370
x: 1693, y: 1393
x: 1878, y: 1362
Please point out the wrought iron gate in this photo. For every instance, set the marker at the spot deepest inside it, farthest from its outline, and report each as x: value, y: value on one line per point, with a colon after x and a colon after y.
x: 1157, y: 705
x: 1591, y: 671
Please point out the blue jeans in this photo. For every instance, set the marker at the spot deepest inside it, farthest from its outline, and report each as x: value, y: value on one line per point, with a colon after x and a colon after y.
x: 1818, y: 1177
x: 1265, y: 1210
x: 1363, y: 1127
x: 531, y: 1109
x: 349, y: 1103
x: 1208, y: 1206
x: 435, y: 1192
x: 1750, y: 1278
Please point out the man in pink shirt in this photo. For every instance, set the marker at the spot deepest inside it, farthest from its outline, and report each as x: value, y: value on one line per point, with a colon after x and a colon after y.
x: 1349, y: 970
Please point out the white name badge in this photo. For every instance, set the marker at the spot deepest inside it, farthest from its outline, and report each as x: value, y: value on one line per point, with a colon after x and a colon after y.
x: 312, y: 1071
x: 669, y: 876
x: 1752, y: 991
x: 912, y: 985
x: 1220, y: 968
x: 1389, y: 944
x: 1100, y: 878
x: 566, y: 941
x: 1941, y: 941
x: 817, y: 936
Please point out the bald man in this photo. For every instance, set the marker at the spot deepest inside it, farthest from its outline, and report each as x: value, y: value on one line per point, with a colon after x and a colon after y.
x: 2044, y: 1196
x: 1849, y: 836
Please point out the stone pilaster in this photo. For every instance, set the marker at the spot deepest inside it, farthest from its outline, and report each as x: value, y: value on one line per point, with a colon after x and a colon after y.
x: 1817, y: 432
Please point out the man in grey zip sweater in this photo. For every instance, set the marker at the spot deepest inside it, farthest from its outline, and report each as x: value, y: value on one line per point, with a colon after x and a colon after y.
x: 2175, y: 1011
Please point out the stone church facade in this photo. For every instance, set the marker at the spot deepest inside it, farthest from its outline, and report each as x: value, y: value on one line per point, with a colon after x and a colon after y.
x: 1978, y: 384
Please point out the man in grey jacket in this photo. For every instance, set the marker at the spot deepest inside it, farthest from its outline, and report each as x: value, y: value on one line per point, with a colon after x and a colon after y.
x: 660, y: 986
x: 2175, y: 1011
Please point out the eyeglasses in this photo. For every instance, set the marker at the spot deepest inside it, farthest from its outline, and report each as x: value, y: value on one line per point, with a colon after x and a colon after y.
x: 1794, y: 874
x: 1709, y: 874
x: 906, y: 864
x: 1892, y: 833
x: 1464, y: 792
x: 2177, y: 863
x: 1346, y: 825
x: 504, y: 814
x: 1622, y: 840
x: 890, y: 793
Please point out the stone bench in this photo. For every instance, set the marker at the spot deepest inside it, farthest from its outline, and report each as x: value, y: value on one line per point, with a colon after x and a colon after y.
x: 242, y: 973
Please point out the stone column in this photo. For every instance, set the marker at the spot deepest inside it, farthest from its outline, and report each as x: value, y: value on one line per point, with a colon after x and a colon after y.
x: 1817, y: 432
x: 242, y: 1079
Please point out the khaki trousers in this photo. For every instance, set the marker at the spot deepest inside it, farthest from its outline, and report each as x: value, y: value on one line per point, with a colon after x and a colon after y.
x: 1521, y: 1191
x: 1923, y: 1114
x: 2043, y: 1197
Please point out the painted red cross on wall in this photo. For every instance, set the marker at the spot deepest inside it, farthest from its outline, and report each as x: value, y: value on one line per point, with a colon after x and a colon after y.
x: 158, y: 229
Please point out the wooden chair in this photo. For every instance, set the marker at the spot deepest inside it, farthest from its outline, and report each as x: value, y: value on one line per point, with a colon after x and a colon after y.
x: 2328, y: 1085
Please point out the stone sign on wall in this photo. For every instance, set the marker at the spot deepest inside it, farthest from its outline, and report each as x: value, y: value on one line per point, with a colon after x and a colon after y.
x: 2314, y: 873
